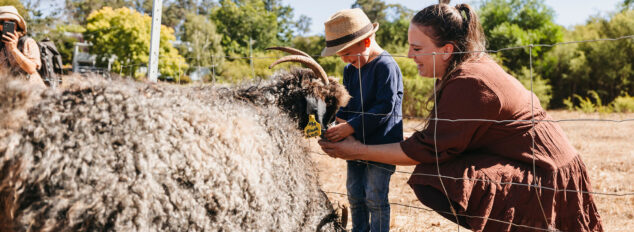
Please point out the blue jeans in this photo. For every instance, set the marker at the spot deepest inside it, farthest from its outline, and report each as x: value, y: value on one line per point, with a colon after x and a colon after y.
x: 368, y: 186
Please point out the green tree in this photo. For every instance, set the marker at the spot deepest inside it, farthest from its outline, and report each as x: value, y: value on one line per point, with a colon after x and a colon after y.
x: 284, y: 19
x: 605, y: 67
x: 202, y: 41
x: 266, y: 22
x: 240, y: 21
x: 64, y: 38
x: 41, y: 25
x: 174, y: 10
x: 511, y: 23
x: 627, y: 5
x: 287, y: 26
x: 312, y: 45
x: 393, y: 22
x: 78, y: 10
x: 392, y: 33
x: 125, y: 33
x: 374, y: 9
x: 302, y: 26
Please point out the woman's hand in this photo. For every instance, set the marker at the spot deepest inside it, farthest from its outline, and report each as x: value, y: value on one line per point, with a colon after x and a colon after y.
x: 10, y: 41
x: 28, y: 64
x: 339, y: 131
x: 347, y: 149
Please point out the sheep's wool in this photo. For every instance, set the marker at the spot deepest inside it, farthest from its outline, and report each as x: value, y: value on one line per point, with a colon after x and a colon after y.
x: 127, y: 156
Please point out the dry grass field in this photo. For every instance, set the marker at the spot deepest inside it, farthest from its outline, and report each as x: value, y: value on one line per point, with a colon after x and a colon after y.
x: 607, y: 148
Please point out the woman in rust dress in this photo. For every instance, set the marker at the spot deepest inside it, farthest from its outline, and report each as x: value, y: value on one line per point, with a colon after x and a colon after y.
x: 504, y: 173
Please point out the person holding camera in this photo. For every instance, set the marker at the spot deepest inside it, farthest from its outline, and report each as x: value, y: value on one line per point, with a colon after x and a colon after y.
x: 19, y: 56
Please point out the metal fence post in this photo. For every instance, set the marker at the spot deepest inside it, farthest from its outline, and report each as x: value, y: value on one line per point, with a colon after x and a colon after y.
x: 213, y: 70
x: 251, y: 57
x: 179, y: 72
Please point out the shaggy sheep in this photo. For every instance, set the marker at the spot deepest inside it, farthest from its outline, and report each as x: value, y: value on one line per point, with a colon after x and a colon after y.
x: 128, y: 156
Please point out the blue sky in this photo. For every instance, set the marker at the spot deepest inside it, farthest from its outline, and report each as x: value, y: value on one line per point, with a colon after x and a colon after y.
x: 568, y: 12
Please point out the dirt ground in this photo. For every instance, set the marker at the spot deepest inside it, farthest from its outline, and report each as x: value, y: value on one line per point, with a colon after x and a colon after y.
x: 607, y: 148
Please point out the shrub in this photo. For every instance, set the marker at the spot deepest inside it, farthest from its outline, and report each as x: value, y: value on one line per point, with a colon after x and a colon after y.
x: 239, y: 69
x: 333, y: 65
x: 541, y: 87
x: 408, y: 67
x: 183, y: 79
x: 585, y: 104
x: 234, y: 71
x: 569, y: 104
x: 623, y: 104
x: 588, y: 104
x: 416, y: 93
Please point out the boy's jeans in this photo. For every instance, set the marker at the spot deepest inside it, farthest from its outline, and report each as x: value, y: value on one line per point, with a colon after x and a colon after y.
x: 367, y: 185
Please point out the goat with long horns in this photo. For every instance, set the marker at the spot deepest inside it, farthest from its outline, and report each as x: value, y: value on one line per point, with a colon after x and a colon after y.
x: 301, y: 92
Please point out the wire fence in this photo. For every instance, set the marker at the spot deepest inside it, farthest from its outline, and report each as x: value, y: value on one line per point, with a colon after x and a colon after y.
x: 618, y: 194
x: 538, y: 188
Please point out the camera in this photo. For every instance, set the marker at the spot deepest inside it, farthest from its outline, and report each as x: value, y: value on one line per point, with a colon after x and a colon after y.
x: 8, y: 26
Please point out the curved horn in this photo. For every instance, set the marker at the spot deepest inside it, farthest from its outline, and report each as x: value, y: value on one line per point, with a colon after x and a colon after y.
x: 290, y: 50
x: 308, y: 61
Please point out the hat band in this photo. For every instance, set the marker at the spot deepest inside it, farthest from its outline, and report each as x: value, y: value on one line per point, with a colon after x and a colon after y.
x: 350, y: 37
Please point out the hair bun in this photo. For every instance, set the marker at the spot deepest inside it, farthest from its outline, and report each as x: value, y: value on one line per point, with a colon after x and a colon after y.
x: 444, y: 2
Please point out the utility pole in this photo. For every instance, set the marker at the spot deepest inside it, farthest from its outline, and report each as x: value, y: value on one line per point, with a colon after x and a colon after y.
x: 251, y: 56
x: 152, y: 73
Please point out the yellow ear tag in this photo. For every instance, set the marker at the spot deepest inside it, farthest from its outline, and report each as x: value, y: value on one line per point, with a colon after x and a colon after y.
x: 313, y: 128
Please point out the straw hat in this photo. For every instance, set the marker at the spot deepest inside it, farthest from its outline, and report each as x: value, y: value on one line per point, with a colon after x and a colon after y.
x: 346, y: 28
x: 10, y: 13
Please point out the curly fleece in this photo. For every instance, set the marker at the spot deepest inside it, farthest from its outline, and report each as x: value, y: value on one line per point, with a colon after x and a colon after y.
x: 128, y: 156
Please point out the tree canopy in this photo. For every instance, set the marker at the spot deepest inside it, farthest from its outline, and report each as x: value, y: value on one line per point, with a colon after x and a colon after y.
x: 261, y: 23
x: 125, y: 33
x: 393, y: 22
x: 603, y: 67
x: 513, y: 23
x: 201, y: 41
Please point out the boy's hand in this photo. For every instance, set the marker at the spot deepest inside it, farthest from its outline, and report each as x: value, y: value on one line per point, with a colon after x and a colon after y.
x: 339, y: 132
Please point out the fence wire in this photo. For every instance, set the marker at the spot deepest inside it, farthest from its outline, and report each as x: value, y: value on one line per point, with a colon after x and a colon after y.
x: 132, y: 67
x: 423, y: 54
x: 448, y: 213
x: 617, y: 194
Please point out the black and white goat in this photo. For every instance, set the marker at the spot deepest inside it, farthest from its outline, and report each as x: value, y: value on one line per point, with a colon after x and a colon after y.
x: 120, y: 155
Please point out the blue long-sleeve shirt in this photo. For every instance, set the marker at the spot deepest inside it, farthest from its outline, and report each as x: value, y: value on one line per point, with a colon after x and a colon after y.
x: 382, y: 88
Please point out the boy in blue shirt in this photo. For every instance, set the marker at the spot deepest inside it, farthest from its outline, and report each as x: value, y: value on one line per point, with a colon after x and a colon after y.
x: 373, y: 114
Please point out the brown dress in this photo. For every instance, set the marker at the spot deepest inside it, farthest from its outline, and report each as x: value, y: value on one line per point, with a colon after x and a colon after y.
x: 486, y: 156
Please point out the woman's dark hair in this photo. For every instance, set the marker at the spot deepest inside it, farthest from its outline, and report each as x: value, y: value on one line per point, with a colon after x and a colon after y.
x: 457, y: 25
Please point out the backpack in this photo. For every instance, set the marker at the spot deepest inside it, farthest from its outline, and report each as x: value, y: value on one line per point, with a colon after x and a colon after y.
x: 51, y: 69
